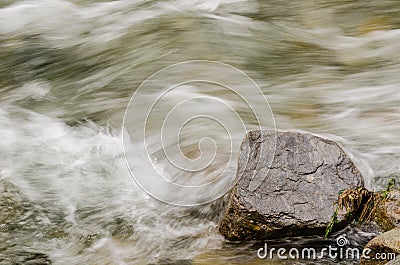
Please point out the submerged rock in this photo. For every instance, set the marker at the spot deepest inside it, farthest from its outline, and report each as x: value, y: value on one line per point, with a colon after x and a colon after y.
x: 298, y: 189
x: 382, y: 248
x: 24, y: 257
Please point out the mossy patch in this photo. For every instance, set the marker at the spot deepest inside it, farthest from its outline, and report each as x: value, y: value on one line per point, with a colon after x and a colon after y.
x: 362, y: 206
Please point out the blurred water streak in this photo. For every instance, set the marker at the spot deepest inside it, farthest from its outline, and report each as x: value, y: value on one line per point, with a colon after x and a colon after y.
x: 68, y: 68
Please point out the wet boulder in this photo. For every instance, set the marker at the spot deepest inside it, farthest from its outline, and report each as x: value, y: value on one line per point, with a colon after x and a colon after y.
x: 288, y: 185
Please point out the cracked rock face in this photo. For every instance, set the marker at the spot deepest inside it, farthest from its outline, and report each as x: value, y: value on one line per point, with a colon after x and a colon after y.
x: 291, y: 192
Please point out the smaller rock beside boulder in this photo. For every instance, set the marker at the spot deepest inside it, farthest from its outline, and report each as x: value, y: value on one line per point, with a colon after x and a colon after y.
x: 392, y: 207
x: 382, y: 248
x: 387, y: 214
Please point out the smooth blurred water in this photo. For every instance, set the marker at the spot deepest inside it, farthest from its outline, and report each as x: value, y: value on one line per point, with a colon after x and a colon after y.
x: 68, y: 69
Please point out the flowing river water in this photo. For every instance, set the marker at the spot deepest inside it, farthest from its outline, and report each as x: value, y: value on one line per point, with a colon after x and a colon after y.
x: 69, y: 68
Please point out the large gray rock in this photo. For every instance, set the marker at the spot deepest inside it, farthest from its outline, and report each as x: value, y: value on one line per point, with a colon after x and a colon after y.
x: 382, y: 249
x: 297, y: 191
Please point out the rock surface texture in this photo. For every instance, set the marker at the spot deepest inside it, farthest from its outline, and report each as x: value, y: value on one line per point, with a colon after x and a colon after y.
x: 383, y: 248
x: 290, y: 192
x: 392, y: 207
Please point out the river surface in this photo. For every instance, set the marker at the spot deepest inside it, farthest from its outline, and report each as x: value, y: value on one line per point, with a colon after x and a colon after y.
x: 69, y: 68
